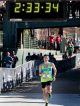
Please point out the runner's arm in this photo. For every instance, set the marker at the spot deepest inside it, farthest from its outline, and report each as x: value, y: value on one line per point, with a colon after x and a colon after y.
x: 40, y: 68
x: 55, y: 71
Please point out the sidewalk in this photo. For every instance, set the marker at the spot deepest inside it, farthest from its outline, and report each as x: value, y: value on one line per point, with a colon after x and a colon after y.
x: 35, y: 99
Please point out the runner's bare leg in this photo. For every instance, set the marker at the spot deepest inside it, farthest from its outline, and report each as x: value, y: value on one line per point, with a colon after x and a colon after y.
x: 45, y: 94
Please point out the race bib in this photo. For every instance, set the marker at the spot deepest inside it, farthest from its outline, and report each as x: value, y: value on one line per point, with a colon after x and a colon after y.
x: 45, y: 76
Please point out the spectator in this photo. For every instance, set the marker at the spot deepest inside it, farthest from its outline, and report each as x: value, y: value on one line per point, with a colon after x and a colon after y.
x: 58, y: 40
x: 52, y: 42
x: 15, y: 59
x: 40, y: 57
x: 34, y: 57
x: 70, y: 49
x: 28, y: 58
x: 39, y: 43
x: 43, y: 44
x: 8, y: 60
x: 52, y: 58
x: 64, y: 56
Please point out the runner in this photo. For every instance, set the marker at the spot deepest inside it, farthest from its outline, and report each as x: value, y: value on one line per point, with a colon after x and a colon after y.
x: 45, y: 72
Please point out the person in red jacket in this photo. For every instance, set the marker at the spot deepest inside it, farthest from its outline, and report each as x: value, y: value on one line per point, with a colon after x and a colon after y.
x: 52, y: 41
x: 58, y: 40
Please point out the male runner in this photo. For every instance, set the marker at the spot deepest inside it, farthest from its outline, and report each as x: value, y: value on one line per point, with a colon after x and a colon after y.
x: 45, y: 72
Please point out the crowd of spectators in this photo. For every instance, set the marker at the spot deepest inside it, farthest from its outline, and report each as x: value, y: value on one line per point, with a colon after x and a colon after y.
x: 52, y: 43
x: 40, y: 57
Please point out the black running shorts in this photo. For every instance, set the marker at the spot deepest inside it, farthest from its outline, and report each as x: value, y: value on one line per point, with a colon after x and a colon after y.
x: 44, y: 84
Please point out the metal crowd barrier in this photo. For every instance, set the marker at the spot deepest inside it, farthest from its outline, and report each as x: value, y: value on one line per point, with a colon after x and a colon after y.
x: 11, y: 77
x: 78, y: 60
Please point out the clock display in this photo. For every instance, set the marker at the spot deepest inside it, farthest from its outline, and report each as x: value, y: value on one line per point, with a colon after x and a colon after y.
x: 36, y: 10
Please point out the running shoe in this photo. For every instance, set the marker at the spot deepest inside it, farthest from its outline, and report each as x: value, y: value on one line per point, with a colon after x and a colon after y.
x: 50, y: 95
x: 46, y: 104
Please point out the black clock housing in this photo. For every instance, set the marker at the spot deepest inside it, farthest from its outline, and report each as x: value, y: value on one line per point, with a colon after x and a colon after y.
x: 41, y: 10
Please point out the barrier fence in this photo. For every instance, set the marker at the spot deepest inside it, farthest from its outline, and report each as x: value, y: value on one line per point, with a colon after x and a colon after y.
x: 11, y: 77
x: 78, y: 60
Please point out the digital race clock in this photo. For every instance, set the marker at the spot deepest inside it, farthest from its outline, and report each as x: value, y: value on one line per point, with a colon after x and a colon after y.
x: 38, y: 9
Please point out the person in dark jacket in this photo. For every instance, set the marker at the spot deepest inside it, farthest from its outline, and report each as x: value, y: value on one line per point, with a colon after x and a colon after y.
x: 15, y: 59
x: 8, y: 60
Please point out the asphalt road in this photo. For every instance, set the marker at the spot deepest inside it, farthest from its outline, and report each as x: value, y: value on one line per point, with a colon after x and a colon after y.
x: 68, y: 82
x: 66, y: 92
